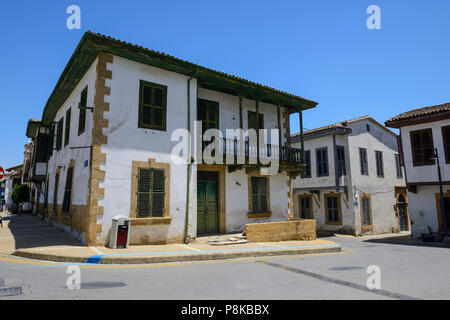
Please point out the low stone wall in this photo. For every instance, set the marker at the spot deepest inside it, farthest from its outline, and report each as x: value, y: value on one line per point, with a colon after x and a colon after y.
x: 302, y: 229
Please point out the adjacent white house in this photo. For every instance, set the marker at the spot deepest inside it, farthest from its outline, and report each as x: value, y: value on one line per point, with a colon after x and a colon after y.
x: 424, y: 131
x: 104, y: 147
x: 353, y: 181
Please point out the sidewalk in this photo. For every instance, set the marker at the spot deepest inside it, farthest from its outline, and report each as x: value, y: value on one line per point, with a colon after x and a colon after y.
x: 47, y: 243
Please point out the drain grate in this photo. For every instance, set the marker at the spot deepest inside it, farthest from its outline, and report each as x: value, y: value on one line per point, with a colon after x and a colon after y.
x: 102, y: 285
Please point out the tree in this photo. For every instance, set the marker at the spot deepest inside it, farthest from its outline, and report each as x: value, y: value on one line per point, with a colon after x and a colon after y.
x: 20, y: 194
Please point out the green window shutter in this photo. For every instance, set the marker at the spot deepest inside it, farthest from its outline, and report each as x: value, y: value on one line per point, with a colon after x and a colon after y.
x: 59, y: 134
x: 144, y: 185
x: 158, y: 193
x: 152, y: 106
x: 67, y: 131
x: 259, y: 194
x: 82, y: 111
x: 68, y: 191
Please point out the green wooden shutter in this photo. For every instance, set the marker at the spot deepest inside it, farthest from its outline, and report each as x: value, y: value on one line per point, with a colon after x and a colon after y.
x: 67, y: 131
x: 158, y: 193
x: 144, y: 185
x: 68, y: 191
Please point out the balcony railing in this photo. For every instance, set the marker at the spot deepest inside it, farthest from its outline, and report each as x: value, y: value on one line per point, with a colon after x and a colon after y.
x: 242, y: 152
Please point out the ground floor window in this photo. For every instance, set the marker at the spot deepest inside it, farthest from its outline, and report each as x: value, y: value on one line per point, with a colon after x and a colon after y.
x: 305, y: 206
x: 332, y: 209
x: 259, y: 195
x: 68, y: 191
x: 366, y: 210
x: 150, y: 193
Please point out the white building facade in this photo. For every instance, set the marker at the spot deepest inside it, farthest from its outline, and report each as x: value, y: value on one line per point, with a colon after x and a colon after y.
x: 422, y: 132
x: 111, y: 141
x: 354, y: 183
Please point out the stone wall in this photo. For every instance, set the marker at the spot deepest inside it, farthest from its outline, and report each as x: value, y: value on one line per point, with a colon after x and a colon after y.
x: 304, y: 229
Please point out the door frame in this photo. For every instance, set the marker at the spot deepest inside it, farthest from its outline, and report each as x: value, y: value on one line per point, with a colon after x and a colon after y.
x: 402, y: 191
x: 221, y: 221
x: 438, y: 207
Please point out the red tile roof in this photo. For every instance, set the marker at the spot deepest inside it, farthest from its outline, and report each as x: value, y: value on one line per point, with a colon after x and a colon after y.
x: 420, y: 112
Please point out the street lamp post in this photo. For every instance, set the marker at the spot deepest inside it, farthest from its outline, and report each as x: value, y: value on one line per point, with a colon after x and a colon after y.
x: 435, y: 156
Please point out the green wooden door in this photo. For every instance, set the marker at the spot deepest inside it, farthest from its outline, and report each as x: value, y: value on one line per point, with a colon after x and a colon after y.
x: 206, y: 207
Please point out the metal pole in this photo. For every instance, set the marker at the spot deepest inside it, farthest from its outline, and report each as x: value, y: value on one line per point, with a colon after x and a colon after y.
x: 444, y: 219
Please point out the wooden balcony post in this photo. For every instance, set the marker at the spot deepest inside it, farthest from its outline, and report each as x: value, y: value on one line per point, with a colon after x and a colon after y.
x: 279, y: 131
x: 300, y: 118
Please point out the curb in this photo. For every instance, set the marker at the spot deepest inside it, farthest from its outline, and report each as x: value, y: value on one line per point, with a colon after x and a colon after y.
x: 137, y: 259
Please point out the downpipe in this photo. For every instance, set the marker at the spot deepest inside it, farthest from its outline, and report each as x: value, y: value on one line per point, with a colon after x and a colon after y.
x: 189, y: 162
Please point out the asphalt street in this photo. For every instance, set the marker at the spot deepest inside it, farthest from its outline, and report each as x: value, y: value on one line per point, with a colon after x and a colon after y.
x: 407, y: 271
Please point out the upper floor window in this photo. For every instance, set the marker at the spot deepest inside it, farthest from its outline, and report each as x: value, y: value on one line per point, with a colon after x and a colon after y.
x: 152, y: 106
x: 208, y: 114
x: 379, y: 162
x: 398, y: 167
x: 322, y: 162
x: 252, y: 120
x: 363, y: 161
x: 67, y: 131
x: 422, y: 147
x: 59, y: 134
x: 307, y: 173
x: 446, y: 141
x: 341, y: 161
x: 82, y: 111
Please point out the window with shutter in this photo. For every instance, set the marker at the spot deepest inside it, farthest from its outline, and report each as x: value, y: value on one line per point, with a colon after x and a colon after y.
x: 379, y: 162
x: 422, y: 147
x: 55, y: 192
x: 341, y: 161
x: 259, y: 195
x: 307, y: 173
x: 398, y: 167
x: 68, y: 191
x: 152, y: 106
x: 82, y: 111
x: 67, y: 132
x: 363, y: 161
x: 59, y: 134
x: 150, y: 193
x: 305, y: 206
x: 322, y: 162
x: 332, y: 209
x: 366, y: 210
x: 446, y: 141
x: 252, y: 120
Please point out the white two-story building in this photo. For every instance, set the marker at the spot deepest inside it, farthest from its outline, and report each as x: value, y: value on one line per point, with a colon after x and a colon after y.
x: 105, y: 147
x: 353, y: 181
x: 424, y: 131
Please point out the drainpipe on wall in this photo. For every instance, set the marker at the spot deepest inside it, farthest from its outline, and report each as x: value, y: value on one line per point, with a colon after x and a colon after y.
x: 189, y: 164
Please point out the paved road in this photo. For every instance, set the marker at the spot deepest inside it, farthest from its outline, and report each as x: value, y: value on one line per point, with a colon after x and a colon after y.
x: 407, y: 271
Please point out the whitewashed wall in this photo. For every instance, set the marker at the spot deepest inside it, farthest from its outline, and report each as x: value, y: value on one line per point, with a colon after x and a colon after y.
x: 127, y: 143
x: 425, y: 173
x: 382, y: 190
x: 62, y: 158
x: 422, y: 205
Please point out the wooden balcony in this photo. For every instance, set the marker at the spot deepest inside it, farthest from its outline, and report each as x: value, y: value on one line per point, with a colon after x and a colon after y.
x: 237, y: 152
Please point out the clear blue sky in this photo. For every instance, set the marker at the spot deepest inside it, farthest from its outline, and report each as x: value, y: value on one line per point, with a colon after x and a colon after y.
x: 321, y: 50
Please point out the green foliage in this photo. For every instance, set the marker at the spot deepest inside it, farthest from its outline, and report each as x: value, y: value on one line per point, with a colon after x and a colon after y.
x: 20, y: 194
